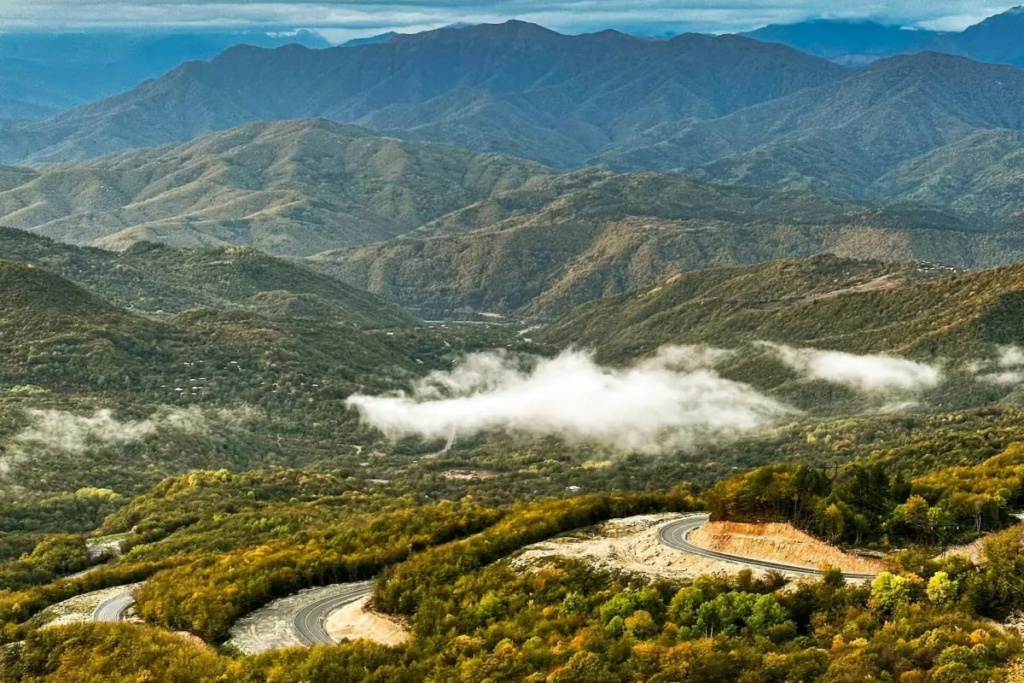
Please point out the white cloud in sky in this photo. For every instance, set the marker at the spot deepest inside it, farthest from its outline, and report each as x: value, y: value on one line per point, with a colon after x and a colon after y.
x: 344, y: 19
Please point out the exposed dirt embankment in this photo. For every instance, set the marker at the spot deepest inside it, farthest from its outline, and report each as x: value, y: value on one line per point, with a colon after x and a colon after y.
x: 973, y: 551
x: 631, y: 544
x: 356, y: 621
x: 779, y: 543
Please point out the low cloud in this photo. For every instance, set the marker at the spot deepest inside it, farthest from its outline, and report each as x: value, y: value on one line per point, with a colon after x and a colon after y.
x: 672, y: 401
x: 871, y: 374
x: 56, y: 430
x: 1006, y: 370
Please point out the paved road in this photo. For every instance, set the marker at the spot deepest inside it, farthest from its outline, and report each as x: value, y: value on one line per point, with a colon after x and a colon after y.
x: 676, y: 535
x: 113, y: 609
x: 309, y: 621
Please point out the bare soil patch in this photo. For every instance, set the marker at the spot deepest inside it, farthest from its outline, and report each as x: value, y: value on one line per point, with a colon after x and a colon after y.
x: 779, y: 543
x: 356, y: 621
x: 468, y: 475
x: 973, y: 551
x: 272, y: 627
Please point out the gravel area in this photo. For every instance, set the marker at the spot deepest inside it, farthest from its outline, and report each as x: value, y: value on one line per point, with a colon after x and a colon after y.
x: 81, y: 607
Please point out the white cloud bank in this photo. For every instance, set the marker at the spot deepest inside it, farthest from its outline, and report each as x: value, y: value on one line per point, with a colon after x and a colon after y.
x: 56, y: 430
x: 1006, y: 370
x: 672, y: 401
x: 875, y: 373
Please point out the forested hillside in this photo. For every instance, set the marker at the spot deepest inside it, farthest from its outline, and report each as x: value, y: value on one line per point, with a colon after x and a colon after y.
x: 155, y: 279
x: 564, y: 240
x: 827, y: 302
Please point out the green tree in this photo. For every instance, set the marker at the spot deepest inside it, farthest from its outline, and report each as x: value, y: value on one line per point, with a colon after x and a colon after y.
x: 941, y: 590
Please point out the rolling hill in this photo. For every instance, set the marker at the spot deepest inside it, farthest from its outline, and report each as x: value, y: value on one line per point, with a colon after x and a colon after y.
x: 292, y: 187
x: 152, y: 279
x: 917, y: 310
x: 513, y: 88
x: 566, y: 239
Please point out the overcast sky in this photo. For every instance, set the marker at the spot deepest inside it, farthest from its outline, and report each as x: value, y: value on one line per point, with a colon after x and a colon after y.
x: 339, y: 20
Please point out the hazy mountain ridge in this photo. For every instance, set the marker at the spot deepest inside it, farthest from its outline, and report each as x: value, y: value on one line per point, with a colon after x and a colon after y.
x: 45, y: 72
x: 849, y: 42
x: 853, y: 42
x: 287, y: 187
x: 578, y: 92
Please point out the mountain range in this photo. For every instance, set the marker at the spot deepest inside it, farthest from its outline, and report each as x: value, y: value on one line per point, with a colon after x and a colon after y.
x: 441, y: 230
x: 515, y: 88
x: 290, y: 187
x: 916, y: 156
x: 42, y: 73
x: 860, y: 137
x: 728, y: 109
x: 996, y: 39
x: 565, y: 239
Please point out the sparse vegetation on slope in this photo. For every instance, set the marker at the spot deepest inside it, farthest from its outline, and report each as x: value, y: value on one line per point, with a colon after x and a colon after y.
x: 567, y: 239
x: 291, y: 187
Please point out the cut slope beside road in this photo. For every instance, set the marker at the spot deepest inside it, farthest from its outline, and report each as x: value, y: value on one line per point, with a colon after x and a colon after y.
x: 660, y: 546
x: 678, y: 535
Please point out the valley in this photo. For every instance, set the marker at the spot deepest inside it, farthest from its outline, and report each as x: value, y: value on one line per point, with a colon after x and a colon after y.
x: 484, y: 352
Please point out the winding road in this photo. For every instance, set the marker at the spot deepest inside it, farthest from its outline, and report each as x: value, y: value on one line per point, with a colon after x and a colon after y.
x: 113, y: 609
x: 309, y: 620
x: 306, y: 620
x: 676, y: 535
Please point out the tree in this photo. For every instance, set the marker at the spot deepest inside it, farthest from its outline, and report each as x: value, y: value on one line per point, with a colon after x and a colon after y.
x: 941, y: 590
x: 641, y: 625
x: 888, y: 591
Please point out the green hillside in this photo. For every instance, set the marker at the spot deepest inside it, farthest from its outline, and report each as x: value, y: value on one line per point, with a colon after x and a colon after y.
x: 150, y: 278
x: 204, y: 388
x: 824, y: 302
